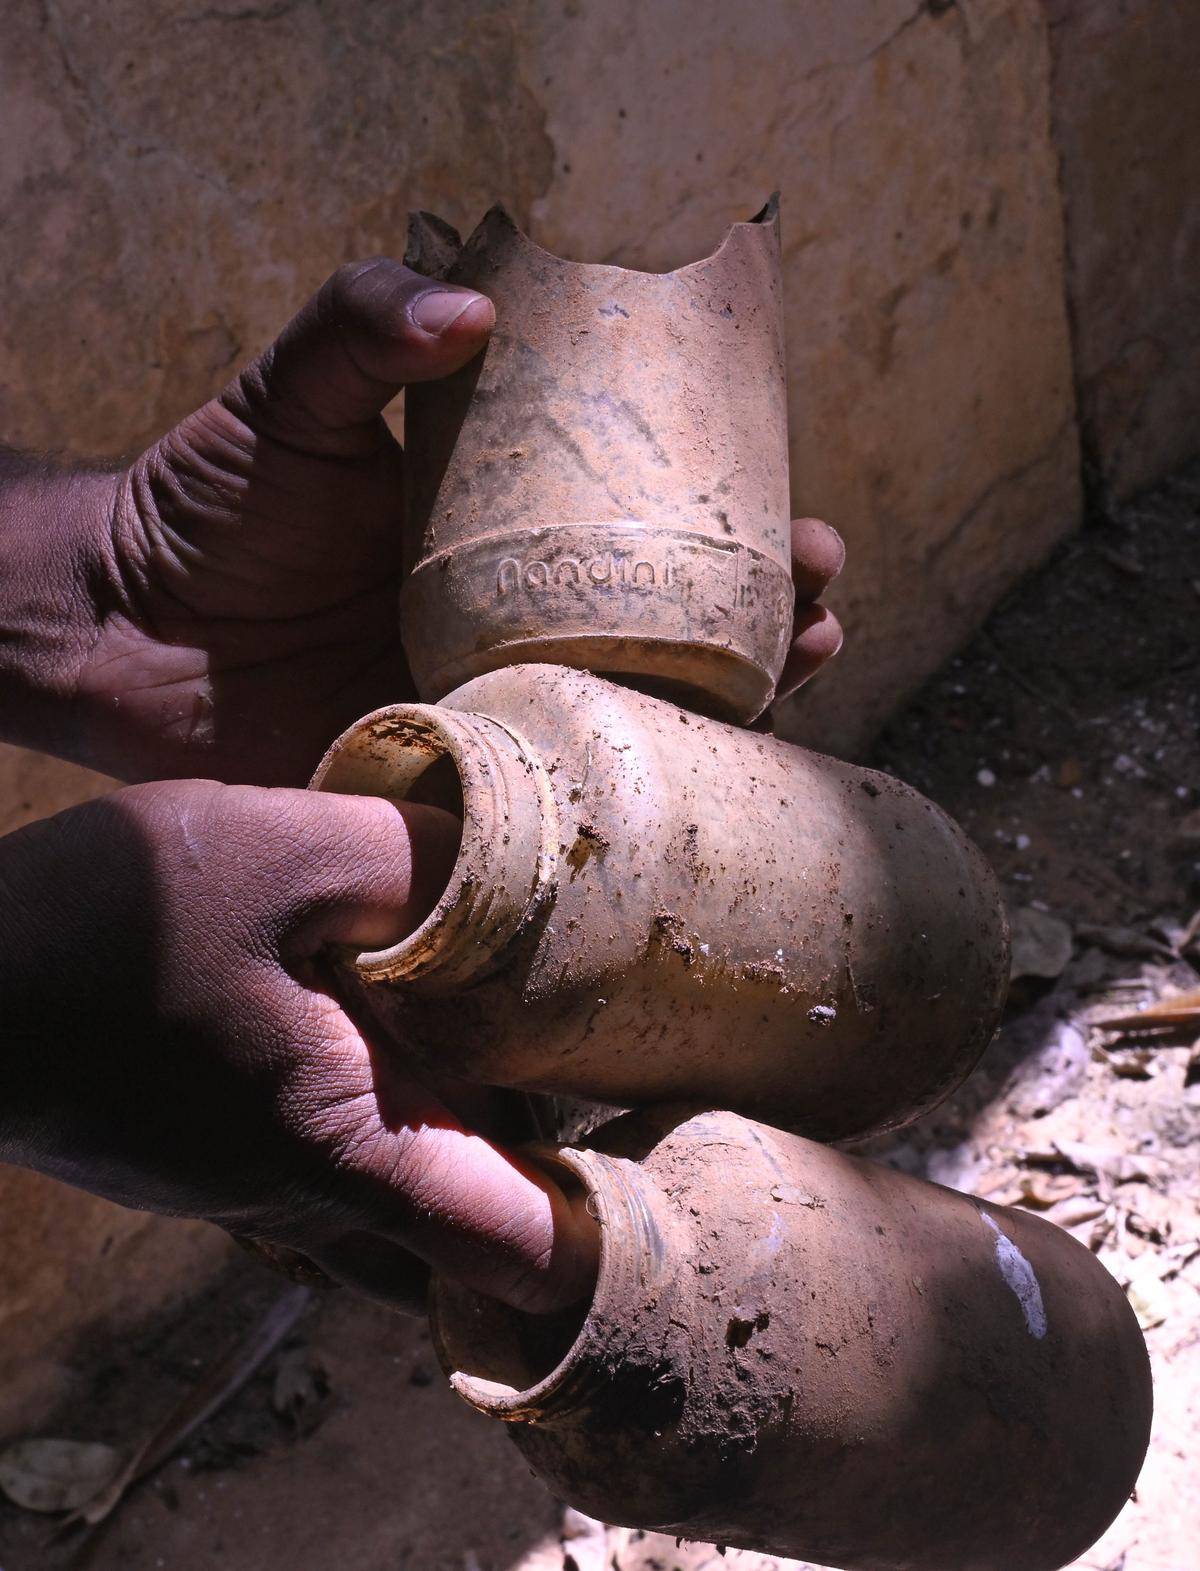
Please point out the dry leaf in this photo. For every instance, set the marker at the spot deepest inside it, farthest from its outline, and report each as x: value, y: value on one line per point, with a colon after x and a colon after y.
x: 1119, y: 1167
x: 1151, y: 1301
x: 1141, y: 1227
x: 223, y: 1378
x: 1125, y: 942
x: 1040, y: 1197
x: 1138, y: 1065
x: 1181, y: 1010
x: 1074, y: 1213
x: 55, y: 1475
x: 1147, y: 1278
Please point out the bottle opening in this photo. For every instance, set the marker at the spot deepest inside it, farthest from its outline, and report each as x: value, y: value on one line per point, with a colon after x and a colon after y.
x: 511, y: 1352
x: 438, y: 784
x: 504, y: 1361
x: 436, y: 838
x: 495, y: 855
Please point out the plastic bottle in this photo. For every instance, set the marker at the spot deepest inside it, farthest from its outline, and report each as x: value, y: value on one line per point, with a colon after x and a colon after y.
x: 607, y: 485
x: 650, y: 905
x: 794, y: 1351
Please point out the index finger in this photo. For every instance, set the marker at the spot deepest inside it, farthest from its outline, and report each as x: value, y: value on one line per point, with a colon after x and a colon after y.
x: 818, y: 556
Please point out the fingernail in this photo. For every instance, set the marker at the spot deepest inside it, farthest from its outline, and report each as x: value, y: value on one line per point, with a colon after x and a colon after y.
x: 439, y: 309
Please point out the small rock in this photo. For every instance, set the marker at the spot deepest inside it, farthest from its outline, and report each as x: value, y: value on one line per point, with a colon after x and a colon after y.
x: 301, y: 1390
x: 1041, y: 943
x: 55, y: 1475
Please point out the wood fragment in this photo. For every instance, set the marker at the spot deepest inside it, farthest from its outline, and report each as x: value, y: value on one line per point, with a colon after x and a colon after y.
x: 1181, y: 1010
x: 223, y: 1380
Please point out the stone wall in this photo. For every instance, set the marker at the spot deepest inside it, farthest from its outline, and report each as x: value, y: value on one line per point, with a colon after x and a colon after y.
x: 177, y: 178
x: 1128, y: 135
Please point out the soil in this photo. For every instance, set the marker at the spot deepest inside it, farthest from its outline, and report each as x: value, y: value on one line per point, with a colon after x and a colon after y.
x: 1066, y: 739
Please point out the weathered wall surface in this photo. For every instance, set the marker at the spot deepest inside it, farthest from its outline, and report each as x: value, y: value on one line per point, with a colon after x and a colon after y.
x: 1127, y: 129
x: 176, y: 179
x: 172, y: 198
x: 931, y: 404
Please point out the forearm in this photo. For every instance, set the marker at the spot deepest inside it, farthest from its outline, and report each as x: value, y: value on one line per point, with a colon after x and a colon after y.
x: 54, y: 532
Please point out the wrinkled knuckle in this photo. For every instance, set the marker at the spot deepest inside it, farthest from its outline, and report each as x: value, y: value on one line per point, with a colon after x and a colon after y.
x: 174, y: 812
x: 249, y: 392
x: 344, y: 281
x: 337, y: 1119
x: 366, y: 296
x: 340, y: 289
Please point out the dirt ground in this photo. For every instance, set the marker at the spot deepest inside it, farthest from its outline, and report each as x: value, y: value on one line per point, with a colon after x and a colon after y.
x: 1067, y: 740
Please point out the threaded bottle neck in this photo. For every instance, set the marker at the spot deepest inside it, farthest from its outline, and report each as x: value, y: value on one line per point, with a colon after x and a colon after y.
x: 483, y: 772
x: 526, y: 1368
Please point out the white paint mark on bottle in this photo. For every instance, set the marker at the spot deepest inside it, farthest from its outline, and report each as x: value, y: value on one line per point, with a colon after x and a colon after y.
x: 1018, y: 1274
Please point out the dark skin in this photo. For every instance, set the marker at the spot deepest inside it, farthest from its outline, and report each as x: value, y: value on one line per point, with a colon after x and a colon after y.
x: 222, y: 609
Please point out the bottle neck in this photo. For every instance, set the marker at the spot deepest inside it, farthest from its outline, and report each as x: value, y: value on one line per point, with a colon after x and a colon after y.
x: 525, y: 1368
x: 494, y: 782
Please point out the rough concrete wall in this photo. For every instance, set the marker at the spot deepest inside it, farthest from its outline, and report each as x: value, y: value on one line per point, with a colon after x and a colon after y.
x: 1127, y: 127
x: 176, y: 179
x: 930, y: 380
x: 172, y: 199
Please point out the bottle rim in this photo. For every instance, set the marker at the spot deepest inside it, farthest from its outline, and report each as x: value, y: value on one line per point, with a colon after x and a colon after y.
x: 505, y: 867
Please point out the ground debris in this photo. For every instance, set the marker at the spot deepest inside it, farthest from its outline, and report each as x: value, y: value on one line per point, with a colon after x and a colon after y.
x: 1041, y: 943
x: 301, y: 1390
x: 1181, y: 1010
x: 1125, y: 942
x: 56, y: 1475
x: 221, y: 1381
x: 1118, y: 1167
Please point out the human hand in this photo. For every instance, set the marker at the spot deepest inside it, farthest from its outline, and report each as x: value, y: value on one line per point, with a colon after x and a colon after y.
x: 248, y: 604
x: 173, y: 1042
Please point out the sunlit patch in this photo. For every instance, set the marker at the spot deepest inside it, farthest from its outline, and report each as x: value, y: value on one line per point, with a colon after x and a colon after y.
x: 1019, y: 1275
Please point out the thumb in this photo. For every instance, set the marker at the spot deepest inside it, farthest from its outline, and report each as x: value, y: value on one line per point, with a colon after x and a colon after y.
x: 471, y: 1211
x: 490, y: 1219
x: 412, y: 1180
x: 373, y: 327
